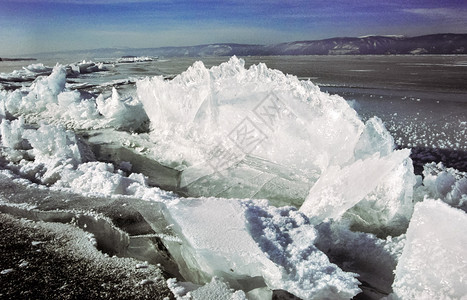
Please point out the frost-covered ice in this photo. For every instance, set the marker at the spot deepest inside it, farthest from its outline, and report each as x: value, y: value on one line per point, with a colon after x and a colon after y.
x: 121, y: 113
x: 53, y: 156
x: 230, y: 132
x: 84, y: 67
x: 28, y: 73
x: 433, y: 264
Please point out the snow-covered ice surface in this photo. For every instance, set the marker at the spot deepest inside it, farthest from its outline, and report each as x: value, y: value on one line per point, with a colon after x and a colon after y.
x: 253, y: 239
x: 339, y: 197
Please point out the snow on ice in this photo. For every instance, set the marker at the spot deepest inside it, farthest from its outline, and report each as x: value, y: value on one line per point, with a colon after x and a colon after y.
x: 253, y: 133
x: 237, y: 240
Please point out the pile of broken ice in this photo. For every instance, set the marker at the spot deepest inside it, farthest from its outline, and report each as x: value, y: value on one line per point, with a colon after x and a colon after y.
x: 365, y: 217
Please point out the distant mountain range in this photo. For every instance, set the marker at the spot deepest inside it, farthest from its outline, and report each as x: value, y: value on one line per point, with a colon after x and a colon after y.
x: 368, y: 45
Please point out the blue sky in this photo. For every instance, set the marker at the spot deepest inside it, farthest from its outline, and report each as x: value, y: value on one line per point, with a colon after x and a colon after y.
x: 31, y: 26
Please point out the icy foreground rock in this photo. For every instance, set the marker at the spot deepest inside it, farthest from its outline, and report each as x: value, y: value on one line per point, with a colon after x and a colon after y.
x: 433, y: 264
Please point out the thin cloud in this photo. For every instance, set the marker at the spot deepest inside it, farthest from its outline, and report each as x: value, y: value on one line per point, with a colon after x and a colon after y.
x: 439, y: 13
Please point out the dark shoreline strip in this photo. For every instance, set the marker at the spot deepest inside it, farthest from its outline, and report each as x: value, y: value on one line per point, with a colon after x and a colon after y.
x: 16, y: 59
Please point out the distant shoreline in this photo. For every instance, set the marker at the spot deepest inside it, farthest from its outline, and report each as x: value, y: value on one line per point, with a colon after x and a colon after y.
x: 16, y: 59
x: 434, y: 44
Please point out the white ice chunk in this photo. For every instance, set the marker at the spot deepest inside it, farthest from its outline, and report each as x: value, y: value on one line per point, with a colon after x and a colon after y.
x: 28, y: 73
x: 217, y: 290
x: 53, y: 141
x: 288, y: 121
x: 447, y: 184
x: 340, y: 189
x: 214, y: 290
x: 72, y: 109
x: 38, y: 68
x: 134, y: 59
x: 11, y: 133
x: 388, y: 208
x: 216, y: 237
x: 214, y: 119
x: 121, y: 113
x: 97, y: 177
x: 48, y: 100
x: 3, y: 95
x: 53, y: 156
x: 433, y: 264
x: 43, y: 92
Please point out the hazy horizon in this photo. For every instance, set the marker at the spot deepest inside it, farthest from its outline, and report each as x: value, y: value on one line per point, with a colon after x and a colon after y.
x: 38, y: 26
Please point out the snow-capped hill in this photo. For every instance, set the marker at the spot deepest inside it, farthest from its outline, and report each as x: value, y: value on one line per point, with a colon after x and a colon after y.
x: 366, y: 45
x: 428, y: 44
